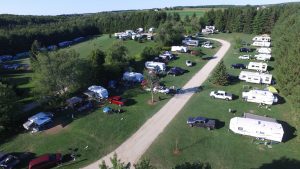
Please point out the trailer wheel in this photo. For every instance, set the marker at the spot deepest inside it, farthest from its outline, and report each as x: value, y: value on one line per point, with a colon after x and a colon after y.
x: 227, y: 99
x: 208, y: 128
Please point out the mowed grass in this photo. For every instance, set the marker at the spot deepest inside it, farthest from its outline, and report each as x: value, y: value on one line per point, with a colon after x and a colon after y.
x: 222, y: 148
x: 190, y: 12
x: 99, y: 132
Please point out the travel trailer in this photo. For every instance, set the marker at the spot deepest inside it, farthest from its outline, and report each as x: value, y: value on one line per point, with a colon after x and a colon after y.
x: 190, y: 42
x: 263, y: 57
x: 182, y: 49
x: 255, y: 77
x: 260, y: 96
x: 257, y: 126
x: 98, y: 92
x: 262, y: 38
x: 264, y: 50
x: 261, y: 44
x: 209, y: 30
x: 158, y: 66
x: 258, y: 66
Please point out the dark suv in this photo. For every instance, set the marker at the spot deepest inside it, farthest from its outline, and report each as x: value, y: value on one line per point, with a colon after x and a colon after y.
x: 8, y: 161
x: 176, y: 71
x: 238, y: 66
x: 201, y: 122
x: 246, y: 50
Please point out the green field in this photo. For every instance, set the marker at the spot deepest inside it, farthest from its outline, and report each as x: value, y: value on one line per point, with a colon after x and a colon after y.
x: 222, y: 148
x: 189, y: 12
x: 100, y: 132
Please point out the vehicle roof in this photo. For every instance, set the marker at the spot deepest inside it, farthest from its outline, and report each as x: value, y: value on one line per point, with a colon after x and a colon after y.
x: 39, y: 159
x: 199, y: 118
x: 3, y: 154
x: 40, y: 118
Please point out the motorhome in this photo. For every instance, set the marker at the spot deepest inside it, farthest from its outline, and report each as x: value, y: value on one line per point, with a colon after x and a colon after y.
x: 263, y: 57
x: 262, y: 38
x: 260, y: 96
x: 258, y: 66
x: 158, y: 66
x: 261, y: 44
x: 264, y: 50
x: 182, y: 49
x: 255, y: 77
x: 257, y: 126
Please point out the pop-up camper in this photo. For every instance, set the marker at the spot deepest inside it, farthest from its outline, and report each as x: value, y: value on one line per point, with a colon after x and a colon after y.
x: 255, y: 77
x: 258, y: 66
x: 98, y: 92
x: 133, y: 77
x: 260, y: 96
x: 257, y: 126
x: 38, y: 121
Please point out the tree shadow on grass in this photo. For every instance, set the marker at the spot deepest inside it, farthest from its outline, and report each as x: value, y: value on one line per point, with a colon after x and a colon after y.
x: 282, y: 163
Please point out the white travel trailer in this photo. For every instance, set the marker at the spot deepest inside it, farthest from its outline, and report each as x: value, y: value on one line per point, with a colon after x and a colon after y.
x: 182, y: 49
x: 209, y: 30
x: 263, y: 57
x: 261, y: 44
x: 190, y: 42
x: 258, y: 66
x: 264, y: 50
x: 260, y: 96
x: 255, y: 77
x: 262, y: 38
x: 133, y: 77
x: 257, y: 126
x: 158, y: 66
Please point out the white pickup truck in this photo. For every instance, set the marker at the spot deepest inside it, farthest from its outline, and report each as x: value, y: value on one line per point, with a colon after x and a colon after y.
x: 220, y: 95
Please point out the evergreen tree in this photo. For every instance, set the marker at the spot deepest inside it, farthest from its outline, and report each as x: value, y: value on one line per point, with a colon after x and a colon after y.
x: 194, y: 165
x: 97, y: 59
x: 144, y: 164
x: 220, y: 76
x: 117, y: 53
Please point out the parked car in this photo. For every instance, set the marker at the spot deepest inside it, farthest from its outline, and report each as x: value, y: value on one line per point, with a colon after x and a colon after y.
x: 161, y: 89
x: 208, y: 46
x: 201, y: 122
x: 238, y: 66
x: 189, y: 63
x: 45, y: 161
x: 244, y: 57
x: 8, y: 161
x: 220, y: 95
x: 117, y: 100
x: 246, y: 50
x: 176, y: 71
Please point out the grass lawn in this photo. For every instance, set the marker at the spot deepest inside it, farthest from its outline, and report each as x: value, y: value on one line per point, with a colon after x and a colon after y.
x: 221, y: 148
x: 100, y: 132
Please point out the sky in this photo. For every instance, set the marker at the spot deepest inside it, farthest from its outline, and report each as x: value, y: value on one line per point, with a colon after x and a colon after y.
x: 57, y: 7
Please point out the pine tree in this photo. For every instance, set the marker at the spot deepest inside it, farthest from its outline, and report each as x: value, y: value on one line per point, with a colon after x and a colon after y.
x: 220, y: 76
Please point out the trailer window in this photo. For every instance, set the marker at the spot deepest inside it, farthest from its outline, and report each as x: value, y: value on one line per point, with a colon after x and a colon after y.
x: 240, y: 128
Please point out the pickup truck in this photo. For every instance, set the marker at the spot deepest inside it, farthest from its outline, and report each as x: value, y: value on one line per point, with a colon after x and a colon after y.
x: 220, y: 95
x: 201, y: 122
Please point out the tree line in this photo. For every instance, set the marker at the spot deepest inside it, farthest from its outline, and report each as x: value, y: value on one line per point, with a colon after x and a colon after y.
x: 17, y: 33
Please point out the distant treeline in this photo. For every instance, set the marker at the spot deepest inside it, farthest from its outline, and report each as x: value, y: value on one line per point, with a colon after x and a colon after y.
x: 246, y: 19
x: 17, y: 33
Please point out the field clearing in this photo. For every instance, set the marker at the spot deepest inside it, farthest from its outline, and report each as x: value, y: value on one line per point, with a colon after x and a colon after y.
x: 221, y: 148
x: 99, y: 132
x: 190, y: 11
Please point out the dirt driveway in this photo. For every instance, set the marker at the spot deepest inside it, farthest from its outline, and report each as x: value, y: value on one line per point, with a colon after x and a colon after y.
x: 135, y: 146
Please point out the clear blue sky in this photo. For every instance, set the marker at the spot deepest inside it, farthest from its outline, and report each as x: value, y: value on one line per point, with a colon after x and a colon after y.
x: 56, y: 7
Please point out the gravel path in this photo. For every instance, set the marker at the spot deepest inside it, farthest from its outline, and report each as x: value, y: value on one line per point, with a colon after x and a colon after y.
x: 135, y: 146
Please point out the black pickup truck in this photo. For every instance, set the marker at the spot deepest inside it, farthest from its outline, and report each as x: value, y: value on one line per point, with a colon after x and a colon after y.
x: 201, y: 122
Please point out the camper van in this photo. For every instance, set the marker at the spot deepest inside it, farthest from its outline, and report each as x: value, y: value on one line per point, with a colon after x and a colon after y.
x: 158, y: 66
x: 264, y: 50
x: 255, y: 77
x: 258, y: 66
x: 260, y: 96
x: 182, y: 49
x: 257, y: 126
x: 263, y: 57
x: 262, y: 38
x: 261, y: 44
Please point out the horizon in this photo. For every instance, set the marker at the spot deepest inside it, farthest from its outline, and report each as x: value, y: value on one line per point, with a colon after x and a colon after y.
x: 73, y: 7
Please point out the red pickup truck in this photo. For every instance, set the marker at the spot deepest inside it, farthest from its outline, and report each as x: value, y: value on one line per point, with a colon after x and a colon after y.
x: 118, y: 100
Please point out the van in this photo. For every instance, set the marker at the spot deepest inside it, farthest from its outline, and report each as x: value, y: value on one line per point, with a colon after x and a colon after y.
x: 45, y: 161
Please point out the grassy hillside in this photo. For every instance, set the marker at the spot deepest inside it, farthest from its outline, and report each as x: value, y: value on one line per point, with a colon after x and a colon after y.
x: 189, y: 12
x: 222, y: 148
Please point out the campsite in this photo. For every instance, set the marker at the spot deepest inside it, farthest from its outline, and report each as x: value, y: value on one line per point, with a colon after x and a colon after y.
x: 164, y: 87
